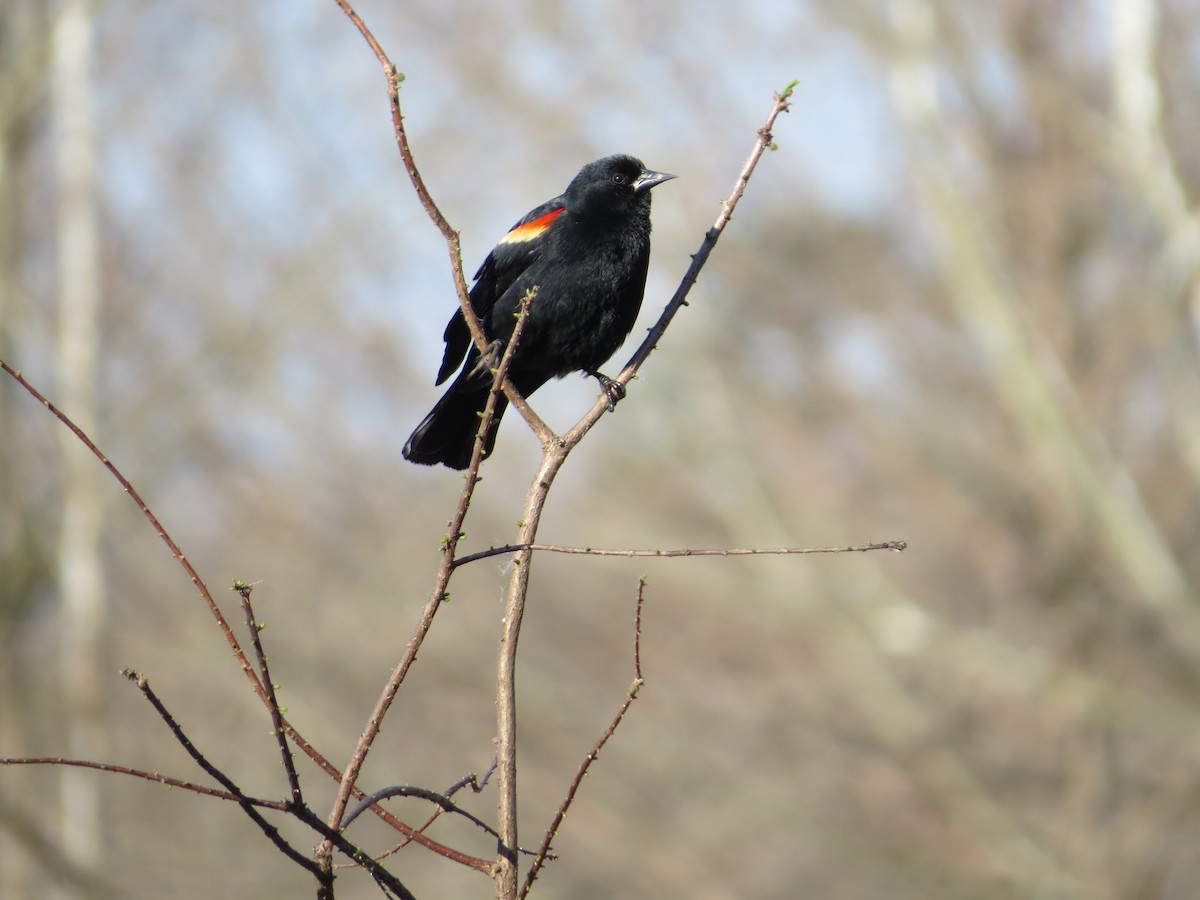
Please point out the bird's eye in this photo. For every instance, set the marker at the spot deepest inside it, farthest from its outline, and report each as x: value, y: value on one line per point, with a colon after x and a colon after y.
x: 619, y: 178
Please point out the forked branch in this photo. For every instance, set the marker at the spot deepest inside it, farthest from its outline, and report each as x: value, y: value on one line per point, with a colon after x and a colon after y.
x: 553, y: 457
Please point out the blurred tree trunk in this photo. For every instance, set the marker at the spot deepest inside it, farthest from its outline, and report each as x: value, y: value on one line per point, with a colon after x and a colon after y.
x: 80, y: 579
x: 1033, y: 383
x: 1143, y: 156
x: 22, y: 56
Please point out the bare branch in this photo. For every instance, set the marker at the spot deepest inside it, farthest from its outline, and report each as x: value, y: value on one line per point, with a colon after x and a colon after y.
x: 382, y: 876
x: 405, y: 790
x: 898, y: 546
x: 289, y: 764
x: 144, y: 775
x: 224, y: 780
x: 481, y: 865
x: 410, y: 165
x: 150, y: 517
x: 453, y: 240
x: 350, y: 774
x: 471, y: 780
x: 499, y: 379
x: 506, y: 672
x: 699, y: 258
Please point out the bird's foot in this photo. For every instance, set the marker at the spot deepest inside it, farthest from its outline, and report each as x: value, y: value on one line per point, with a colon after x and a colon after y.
x: 489, y: 360
x: 614, y: 391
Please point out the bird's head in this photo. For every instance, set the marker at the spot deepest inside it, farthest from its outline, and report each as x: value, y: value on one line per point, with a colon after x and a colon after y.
x: 614, y: 185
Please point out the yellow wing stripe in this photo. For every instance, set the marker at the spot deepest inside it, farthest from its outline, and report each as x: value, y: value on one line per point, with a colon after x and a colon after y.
x: 530, y: 230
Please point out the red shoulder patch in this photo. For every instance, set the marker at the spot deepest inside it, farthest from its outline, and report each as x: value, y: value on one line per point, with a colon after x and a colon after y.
x: 530, y: 230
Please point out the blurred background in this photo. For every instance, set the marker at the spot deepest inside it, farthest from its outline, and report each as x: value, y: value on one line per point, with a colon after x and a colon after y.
x: 957, y: 307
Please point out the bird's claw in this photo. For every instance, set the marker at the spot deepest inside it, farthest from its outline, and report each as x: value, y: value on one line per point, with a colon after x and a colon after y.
x: 489, y: 360
x: 614, y: 391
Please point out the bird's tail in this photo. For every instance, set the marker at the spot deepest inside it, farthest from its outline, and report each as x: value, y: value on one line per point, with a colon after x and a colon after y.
x: 447, y: 434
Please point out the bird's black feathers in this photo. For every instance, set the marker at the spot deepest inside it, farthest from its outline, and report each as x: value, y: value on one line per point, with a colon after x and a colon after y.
x: 587, y: 253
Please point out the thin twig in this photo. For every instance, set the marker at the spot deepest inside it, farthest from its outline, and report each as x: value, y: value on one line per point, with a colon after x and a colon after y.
x: 544, y: 851
x: 471, y: 780
x: 382, y: 876
x: 374, y: 723
x: 289, y: 764
x: 303, y: 813
x: 453, y: 240
x: 224, y: 780
x: 699, y: 258
x: 146, y: 776
x: 226, y: 630
x: 405, y: 790
x: 410, y: 165
x: 666, y: 554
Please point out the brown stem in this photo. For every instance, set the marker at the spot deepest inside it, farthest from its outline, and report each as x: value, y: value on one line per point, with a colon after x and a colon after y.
x: 682, y: 551
x: 285, y: 752
x: 506, y: 676
x: 79, y: 433
x: 156, y: 777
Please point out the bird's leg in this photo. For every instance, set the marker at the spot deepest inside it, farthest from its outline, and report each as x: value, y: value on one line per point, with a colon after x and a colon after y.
x: 489, y: 360
x: 614, y: 391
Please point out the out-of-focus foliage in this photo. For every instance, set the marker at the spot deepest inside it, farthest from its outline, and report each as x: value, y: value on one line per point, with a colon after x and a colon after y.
x: 958, y: 307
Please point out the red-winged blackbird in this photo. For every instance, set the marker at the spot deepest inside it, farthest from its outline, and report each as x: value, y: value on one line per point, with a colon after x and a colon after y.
x: 587, y: 253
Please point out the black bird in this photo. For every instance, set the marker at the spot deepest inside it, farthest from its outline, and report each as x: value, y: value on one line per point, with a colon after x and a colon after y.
x: 587, y: 253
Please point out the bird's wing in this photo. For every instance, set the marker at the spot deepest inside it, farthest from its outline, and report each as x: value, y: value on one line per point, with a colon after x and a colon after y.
x: 517, y: 250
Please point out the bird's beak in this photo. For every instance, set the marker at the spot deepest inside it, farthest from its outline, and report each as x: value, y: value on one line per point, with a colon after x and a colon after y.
x: 649, y: 179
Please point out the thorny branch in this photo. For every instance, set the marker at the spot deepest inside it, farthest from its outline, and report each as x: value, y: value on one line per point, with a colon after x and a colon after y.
x: 553, y: 457
x: 453, y: 240
x: 154, y: 523
x: 683, y: 551
x: 289, y: 764
x: 471, y: 780
x: 248, y: 807
x: 155, y: 777
x: 405, y: 790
